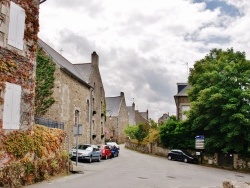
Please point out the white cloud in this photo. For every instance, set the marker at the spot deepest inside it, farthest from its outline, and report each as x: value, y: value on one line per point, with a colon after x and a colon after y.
x: 143, y: 46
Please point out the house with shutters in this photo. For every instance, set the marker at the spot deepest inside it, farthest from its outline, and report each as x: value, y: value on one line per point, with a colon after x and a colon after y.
x: 117, y: 118
x: 79, y: 97
x: 181, y: 100
x: 19, y: 26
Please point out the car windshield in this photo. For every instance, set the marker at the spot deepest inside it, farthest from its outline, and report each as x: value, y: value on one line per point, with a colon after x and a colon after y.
x: 83, y: 147
x: 185, y: 152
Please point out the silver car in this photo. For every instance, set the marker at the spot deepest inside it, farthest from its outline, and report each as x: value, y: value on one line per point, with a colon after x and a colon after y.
x: 87, y: 152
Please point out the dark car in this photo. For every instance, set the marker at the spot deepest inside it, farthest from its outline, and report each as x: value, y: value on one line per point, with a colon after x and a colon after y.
x: 181, y: 155
x: 115, y: 151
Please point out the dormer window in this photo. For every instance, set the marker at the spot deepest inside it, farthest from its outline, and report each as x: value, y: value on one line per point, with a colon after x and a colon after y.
x: 16, y: 26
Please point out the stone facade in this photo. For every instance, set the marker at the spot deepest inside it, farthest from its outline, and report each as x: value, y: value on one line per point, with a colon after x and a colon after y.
x: 98, y: 102
x: 70, y: 96
x: 17, y: 63
x: 181, y: 100
x: 117, y: 118
x: 80, y: 97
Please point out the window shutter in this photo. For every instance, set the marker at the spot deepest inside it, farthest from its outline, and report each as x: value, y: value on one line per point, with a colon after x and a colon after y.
x: 12, y: 103
x: 16, y: 26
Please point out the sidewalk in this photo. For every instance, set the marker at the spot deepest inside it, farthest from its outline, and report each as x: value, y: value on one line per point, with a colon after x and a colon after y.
x: 76, y: 169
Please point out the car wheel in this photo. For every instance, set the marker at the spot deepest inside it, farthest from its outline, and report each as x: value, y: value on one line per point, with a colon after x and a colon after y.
x: 99, y: 159
x: 169, y: 157
x: 90, y: 159
x: 185, y: 160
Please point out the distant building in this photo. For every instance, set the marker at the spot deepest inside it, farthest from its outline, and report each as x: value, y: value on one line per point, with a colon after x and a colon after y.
x: 136, y: 117
x: 163, y: 118
x: 117, y: 118
x: 181, y: 100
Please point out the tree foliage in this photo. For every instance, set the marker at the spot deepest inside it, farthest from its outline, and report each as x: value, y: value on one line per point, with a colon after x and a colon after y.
x: 175, y: 134
x: 138, y: 132
x: 219, y: 100
x: 44, y: 83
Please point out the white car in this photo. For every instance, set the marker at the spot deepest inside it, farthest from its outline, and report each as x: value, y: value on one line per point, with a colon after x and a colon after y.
x: 87, y: 152
x: 113, y: 144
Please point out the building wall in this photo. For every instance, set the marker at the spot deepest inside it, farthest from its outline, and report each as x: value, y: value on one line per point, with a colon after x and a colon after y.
x: 17, y: 65
x: 182, y: 101
x: 98, y: 106
x: 70, y: 95
x: 123, y: 121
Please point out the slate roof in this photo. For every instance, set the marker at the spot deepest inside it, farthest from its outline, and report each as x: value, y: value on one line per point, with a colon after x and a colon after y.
x: 113, y: 104
x: 183, y: 92
x: 64, y: 64
x: 85, y: 70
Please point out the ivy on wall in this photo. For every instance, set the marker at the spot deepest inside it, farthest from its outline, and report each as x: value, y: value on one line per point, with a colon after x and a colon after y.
x: 44, y: 83
x: 31, y: 156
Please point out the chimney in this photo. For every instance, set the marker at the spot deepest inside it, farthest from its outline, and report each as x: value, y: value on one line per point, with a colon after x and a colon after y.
x: 95, y: 59
x: 122, y: 94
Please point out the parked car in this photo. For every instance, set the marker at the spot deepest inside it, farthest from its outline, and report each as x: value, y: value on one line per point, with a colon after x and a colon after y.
x: 87, y: 152
x: 114, y: 150
x: 113, y: 144
x: 181, y: 155
x: 106, y: 152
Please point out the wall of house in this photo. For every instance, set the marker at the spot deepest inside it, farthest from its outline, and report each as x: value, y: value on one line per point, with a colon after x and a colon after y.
x: 98, y: 94
x: 123, y: 120
x: 17, y: 64
x: 181, y: 101
x: 70, y: 95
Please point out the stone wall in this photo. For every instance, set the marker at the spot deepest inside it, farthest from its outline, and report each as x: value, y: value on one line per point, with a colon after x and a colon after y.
x: 235, y: 184
x: 98, y: 101
x: 70, y: 95
x: 146, y: 148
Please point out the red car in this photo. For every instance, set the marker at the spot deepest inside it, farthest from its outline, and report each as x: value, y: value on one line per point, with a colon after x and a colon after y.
x: 106, y: 152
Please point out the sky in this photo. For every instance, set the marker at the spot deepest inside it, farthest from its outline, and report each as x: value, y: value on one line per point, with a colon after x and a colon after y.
x: 145, y: 47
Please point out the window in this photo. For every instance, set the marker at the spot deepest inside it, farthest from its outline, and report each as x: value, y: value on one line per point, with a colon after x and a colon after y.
x: 16, y: 26
x: 12, y: 106
x: 184, y: 108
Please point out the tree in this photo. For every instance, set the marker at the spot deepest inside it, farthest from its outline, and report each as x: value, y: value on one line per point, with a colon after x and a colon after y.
x: 220, y: 100
x: 142, y: 132
x: 130, y: 131
x: 175, y: 134
x: 44, y: 83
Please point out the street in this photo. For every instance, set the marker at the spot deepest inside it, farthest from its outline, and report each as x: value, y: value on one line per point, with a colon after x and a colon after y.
x: 135, y: 170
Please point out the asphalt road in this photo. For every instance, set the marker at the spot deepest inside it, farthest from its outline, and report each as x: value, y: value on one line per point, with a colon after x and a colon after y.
x: 135, y: 170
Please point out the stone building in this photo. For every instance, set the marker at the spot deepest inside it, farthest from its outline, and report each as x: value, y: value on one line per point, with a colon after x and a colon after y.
x: 91, y: 74
x: 136, y: 117
x: 19, y: 26
x: 117, y: 118
x: 131, y: 114
x: 163, y: 118
x: 181, y: 100
x: 76, y: 102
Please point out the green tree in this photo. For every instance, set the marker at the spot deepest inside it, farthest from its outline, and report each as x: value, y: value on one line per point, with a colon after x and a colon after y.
x: 175, y: 134
x: 44, y: 83
x: 130, y: 131
x: 142, y: 132
x: 219, y: 99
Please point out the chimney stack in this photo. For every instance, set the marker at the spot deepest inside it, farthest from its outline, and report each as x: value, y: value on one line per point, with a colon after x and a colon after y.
x: 95, y: 59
